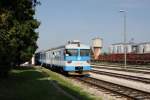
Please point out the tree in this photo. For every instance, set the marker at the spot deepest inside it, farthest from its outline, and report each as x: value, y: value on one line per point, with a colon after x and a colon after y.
x: 17, y: 32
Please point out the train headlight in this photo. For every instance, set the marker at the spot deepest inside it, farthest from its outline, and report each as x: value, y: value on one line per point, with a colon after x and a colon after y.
x: 69, y: 61
x: 88, y: 61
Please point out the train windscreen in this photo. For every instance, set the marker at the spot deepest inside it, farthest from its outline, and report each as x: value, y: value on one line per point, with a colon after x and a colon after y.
x: 71, y: 52
x: 84, y: 52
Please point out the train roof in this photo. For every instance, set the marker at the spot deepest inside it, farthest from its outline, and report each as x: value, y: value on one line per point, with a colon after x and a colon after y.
x: 79, y: 46
x: 75, y: 44
x: 70, y: 45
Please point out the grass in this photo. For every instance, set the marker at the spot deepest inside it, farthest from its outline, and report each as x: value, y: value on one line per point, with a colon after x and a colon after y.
x: 28, y: 84
x: 71, y: 88
x: 33, y: 84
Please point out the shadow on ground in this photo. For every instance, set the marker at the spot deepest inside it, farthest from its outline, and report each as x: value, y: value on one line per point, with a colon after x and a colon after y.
x: 28, y: 84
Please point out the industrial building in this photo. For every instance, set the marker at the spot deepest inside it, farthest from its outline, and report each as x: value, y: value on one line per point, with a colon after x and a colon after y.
x: 143, y: 47
x: 118, y: 48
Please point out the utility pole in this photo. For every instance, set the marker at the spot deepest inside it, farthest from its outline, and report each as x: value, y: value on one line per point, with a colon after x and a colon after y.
x: 124, y: 35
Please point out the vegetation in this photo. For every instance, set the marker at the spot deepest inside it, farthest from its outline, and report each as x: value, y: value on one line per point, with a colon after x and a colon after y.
x: 17, y: 32
x: 28, y: 84
x: 68, y: 86
x: 33, y: 84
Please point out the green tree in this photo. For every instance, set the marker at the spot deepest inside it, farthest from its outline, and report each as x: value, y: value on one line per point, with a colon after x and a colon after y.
x: 17, y: 32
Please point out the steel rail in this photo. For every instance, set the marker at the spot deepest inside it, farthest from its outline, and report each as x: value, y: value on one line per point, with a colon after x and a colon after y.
x: 128, y: 77
x: 129, y: 67
x: 129, y: 93
x: 122, y: 69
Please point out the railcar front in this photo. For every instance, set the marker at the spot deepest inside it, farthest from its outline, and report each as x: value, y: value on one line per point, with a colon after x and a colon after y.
x: 77, y: 59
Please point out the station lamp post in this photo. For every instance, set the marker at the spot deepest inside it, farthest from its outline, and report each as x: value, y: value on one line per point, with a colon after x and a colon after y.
x: 124, y: 36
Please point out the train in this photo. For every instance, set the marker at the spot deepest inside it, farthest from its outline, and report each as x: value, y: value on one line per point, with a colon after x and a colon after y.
x: 132, y: 58
x: 71, y: 58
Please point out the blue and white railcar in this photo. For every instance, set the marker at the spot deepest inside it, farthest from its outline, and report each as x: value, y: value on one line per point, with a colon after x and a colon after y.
x: 73, y: 57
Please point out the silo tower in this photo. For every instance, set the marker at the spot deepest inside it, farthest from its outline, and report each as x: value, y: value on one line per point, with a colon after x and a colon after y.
x: 96, y: 47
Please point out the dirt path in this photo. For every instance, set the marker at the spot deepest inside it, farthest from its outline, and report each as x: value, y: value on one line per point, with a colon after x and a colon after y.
x: 55, y: 84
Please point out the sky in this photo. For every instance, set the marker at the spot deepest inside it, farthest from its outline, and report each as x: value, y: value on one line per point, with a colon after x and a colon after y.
x: 64, y: 20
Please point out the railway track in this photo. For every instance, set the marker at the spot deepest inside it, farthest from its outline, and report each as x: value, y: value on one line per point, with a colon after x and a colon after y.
x: 129, y: 93
x: 122, y: 69
x: 128, y: 77
x: 128, y: 66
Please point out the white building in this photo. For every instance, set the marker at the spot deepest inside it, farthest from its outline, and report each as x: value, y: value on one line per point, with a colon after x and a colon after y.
x: 119, y: 48
x: 143, y: 47
x: 130, y: 47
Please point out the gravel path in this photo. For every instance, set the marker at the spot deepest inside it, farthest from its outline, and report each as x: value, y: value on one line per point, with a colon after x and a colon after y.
x: 61, y: 90
x: 95, y: 92
x: 124, y: 73
x: 58, y: 88
x: 120, y: 68
x: 124, y: 82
